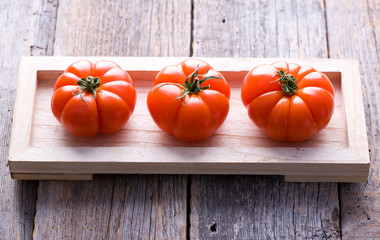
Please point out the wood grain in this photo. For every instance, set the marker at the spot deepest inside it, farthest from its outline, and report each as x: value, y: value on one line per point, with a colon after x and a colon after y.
x: 17, y: 37
x: 261, y: 207
x: 148, y: 207
x: 358, y: 25
x: 123, y: 28
x: 129, y: 206
x: 111, y: 207
x: 254, y: 207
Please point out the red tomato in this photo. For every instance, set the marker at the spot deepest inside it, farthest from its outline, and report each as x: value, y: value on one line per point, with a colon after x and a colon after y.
x: 289, y: 102
x: 189, y: 100
x: 93, y: 98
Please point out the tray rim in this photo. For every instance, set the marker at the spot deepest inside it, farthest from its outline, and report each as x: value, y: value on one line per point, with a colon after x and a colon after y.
x: 21, y: 149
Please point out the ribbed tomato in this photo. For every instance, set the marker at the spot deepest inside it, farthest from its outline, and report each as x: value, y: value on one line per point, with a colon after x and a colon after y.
x: 289, y: 102
x: 189, y: 100
x: 91, y: 98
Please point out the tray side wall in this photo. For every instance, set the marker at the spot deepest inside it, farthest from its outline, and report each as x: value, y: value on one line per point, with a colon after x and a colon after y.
x: 23, y: 114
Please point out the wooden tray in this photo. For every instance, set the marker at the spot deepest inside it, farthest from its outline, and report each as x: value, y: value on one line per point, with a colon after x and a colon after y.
x: 41, y: 148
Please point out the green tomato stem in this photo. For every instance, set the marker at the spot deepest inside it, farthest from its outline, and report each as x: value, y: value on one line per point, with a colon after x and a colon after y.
x: 287, y: 82
x: 89, y: 84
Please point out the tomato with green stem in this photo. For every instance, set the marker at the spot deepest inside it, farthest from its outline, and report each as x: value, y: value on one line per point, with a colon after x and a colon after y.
x: 91, y: 98
x: 287, y: 101
x: 190, y: 100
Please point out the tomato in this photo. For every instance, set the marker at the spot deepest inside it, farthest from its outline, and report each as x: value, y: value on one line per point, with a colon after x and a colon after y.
x: 91, y: 98
x: 289, y: 102
x: 189, y: 100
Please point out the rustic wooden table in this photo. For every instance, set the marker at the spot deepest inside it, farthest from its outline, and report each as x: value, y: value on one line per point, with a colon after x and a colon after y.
x: 191, y: 206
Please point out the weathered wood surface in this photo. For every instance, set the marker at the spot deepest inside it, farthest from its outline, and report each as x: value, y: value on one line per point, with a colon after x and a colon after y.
x: 354, y: 32
x: 262, y: 207
x: 255, y: 207
x: 18, y: 37
x: 117, y: 207
x: 148, y: 207
x: 112, y: 207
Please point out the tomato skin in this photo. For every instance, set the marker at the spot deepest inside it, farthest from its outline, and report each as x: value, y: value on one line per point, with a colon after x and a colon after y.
x: 288, y: 117
x: 200, y: 114
x: 107, y: 113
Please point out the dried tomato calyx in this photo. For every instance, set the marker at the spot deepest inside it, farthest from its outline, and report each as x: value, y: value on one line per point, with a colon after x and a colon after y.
x: 89, y: 84
x: 287, y: 82
x: 191, y: 85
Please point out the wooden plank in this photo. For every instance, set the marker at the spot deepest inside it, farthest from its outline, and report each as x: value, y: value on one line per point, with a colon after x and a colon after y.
x: 18, y: 37
x: 261, y: 207
x: 353, y: 29
x: 117, y: 207
x: 123, y: 28
x: 148, y: 207
x: 133, y: 207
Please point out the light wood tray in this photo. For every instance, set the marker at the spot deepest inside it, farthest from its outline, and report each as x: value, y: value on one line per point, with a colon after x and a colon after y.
x: 41, y: 148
